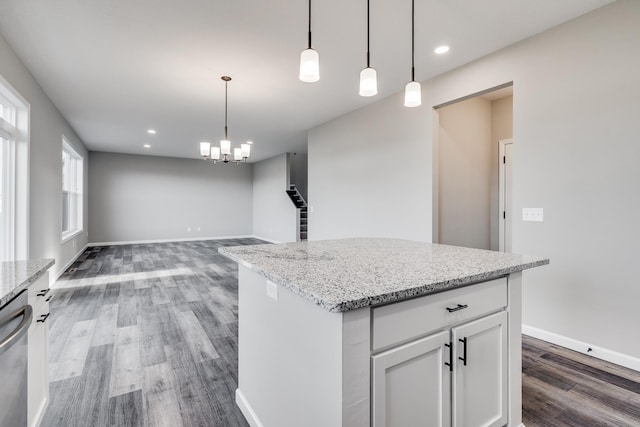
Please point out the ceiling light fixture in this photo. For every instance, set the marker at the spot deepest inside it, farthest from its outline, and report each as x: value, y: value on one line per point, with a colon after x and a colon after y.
x: 240, y: 155
x: 441, y: 49
x: 151, y: 131
x: 368, y: 76
x: 413, y: 91
x: 147, y: 146
x: 309, y: 60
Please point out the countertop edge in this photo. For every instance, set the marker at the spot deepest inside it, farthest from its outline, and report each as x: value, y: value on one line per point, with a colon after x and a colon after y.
x: 396, y: 296
x: 29, y: 280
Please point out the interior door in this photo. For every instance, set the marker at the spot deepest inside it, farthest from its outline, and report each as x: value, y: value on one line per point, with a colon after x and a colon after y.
x: 480, y: 386
x: 411, y: 384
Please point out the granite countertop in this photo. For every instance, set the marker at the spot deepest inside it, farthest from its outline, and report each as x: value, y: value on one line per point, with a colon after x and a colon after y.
x: 18, y: 275
x: 346, y: 274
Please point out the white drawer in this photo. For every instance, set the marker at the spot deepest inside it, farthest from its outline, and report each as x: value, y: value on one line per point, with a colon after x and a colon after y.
x: 404, y: 321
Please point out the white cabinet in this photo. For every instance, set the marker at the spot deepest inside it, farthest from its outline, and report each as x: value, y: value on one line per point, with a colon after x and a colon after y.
x: 454, y: 377
x: 480, y: 372
x: 37, y: 367
x: 411, y: 384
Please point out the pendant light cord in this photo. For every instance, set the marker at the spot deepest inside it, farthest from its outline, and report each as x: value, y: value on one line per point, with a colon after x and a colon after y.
x: 413, y: 20
x: 368, y: 55
x: 309, y: 24
x: 226, y: 134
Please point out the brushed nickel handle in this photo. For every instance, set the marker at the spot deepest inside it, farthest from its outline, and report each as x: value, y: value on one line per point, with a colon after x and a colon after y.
x: 27, y: 314
x: 459, y: 307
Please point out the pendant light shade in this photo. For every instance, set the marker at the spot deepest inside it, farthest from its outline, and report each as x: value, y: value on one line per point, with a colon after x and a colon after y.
x: 412, y: 95
x: 413, y: 91
x: 246, y: 150
x: 368, y: 82
x: 368, y: 76
x: 215, y: 153
x: 309, y: 66
x: 309, y: 60
x: 225, y: 146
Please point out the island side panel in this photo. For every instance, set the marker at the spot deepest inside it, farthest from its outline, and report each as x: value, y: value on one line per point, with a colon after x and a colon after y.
x: 514, y: 308
x: 356, y: 374
x: 289, y: 358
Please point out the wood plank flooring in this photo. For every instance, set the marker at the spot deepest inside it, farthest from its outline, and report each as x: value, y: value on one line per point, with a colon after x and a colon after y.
x: 562, y: 388
x: 146, y: 335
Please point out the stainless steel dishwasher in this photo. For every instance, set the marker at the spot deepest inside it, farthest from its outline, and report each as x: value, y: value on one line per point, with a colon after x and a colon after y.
x: 15, y: 319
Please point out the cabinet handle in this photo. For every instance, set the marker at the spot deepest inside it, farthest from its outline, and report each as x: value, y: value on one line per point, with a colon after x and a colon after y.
x: 459, y: 307
x: 43, y: 318
x: 464, y: 351
x: 43, y: 292
x: 450, y: 363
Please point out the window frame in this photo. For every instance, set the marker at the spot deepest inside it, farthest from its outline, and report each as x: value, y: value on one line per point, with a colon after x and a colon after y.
x: 15, y: 113
x: 75, y: 194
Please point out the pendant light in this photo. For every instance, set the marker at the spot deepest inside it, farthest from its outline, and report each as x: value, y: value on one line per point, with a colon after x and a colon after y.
x: 223, y: 153
x: 309, y: 60
x: 413, y: 91
x: 368, y: 76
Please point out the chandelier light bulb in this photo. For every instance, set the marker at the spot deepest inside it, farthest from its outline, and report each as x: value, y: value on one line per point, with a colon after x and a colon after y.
x: 412, y: 95
x: 246, y: 150
x: 368, y: 82
x: 237, y: 154
x: 204, y: 148
x: 215, y: 153
x: 225, y: 146
x: 309, y: 66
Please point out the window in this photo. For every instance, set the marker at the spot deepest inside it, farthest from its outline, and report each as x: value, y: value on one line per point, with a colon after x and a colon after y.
x: 72, y: 168
x: 14, y: 125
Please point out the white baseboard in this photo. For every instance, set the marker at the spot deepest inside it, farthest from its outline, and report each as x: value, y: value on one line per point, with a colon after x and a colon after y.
x: 182, y: 239
x: 246, y: 409
x: 582, y: 347
x: 73, y: 259
x: 266, y: 239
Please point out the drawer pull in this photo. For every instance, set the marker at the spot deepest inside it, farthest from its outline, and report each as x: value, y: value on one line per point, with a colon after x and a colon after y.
x: 42, y: 292
x: 459, y: 307
x: 43, y: 318
x: 450, y: 363
x: 464, y: 351
x: 49, y: 299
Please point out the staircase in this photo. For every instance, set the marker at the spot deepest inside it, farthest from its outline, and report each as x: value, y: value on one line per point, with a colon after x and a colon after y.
x: 301, y: 205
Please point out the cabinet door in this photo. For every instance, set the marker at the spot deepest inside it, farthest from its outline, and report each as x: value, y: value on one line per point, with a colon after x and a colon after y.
x: 480, y: 375
x: 411, y: 384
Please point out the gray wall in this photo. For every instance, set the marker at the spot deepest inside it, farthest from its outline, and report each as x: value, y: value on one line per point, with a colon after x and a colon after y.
x: 575, y: 128
x: 45, y: 166
x: 134, y: 198
x: 370, y: 174
x: 464, y: 194
x: 300, y: 173
x: 274, y: 215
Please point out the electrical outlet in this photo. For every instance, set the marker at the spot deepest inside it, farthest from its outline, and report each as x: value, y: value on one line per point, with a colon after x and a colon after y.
x: 310, y: 208
x: 272, y: 290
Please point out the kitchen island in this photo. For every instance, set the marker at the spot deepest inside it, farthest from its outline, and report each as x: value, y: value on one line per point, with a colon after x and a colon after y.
x: 379, y: 332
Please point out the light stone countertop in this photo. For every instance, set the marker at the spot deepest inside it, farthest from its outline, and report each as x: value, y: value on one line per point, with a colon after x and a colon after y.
x: 18, y: 275
x: 346, y: 274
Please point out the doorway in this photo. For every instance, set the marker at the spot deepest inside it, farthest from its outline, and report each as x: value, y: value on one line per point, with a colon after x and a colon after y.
x: 468, y: 200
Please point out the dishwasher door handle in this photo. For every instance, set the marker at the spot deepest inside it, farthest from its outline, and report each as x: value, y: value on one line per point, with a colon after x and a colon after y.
x: 27, y: 314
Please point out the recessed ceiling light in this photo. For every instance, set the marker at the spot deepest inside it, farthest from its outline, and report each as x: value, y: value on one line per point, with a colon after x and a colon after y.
x: 441, y: 49
x: 151, y: 131
x: 147, y: 146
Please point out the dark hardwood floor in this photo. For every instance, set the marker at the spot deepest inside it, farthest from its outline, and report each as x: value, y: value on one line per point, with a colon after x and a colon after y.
x: 146, y: 335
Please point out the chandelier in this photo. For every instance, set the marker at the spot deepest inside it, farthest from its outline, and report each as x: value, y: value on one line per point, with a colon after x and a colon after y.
x: 223, y: 152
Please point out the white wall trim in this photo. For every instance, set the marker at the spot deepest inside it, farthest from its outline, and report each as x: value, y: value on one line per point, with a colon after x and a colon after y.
x: 182, y: 239
x: 581, y: 347
x: 246, y: 409
x: 266, y: 239
x: 67, y: 265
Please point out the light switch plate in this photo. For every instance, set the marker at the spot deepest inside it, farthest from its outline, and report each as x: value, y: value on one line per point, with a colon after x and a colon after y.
x: 272, y: 290
x: 533, y: 214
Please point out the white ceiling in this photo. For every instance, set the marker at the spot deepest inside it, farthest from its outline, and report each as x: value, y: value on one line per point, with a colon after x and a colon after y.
x: 115, y: 68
